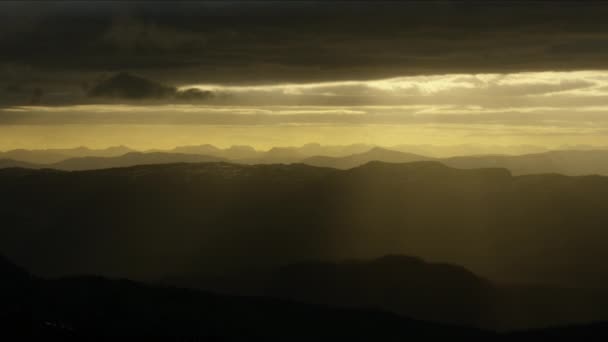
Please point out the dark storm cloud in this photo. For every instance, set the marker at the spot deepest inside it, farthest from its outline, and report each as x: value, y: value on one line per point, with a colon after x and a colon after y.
x: 193, y: 95
x: 60, y: 46
x: 127, y: 86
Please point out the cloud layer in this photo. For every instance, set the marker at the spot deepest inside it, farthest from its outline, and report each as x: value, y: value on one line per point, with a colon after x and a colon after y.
x: 453, y: 70
x: 58, y: 47
x: 559, y: 99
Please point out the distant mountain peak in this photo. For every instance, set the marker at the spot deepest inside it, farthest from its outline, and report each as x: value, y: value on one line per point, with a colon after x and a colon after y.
x: 421, y: 164
x: 376, y: 149
x: 241, y: 148
x: 385, y: 151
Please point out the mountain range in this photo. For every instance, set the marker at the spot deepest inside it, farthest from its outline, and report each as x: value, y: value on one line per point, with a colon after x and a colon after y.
x: 315, y: 212
x: 354, y: 160
x: 571, y: 163
x: 567, y: 162
x: 215, y: 219
x: 50, y: 156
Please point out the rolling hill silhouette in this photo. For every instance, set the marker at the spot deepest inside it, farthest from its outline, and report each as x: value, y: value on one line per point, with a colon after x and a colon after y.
x: 354, y: 160
x: 571, y: 163
x: 83, y: 307
x: 125, y: 160
x: 566, y: 162
x: 241, y: 153
x: 50, y: 156
x: 232, y: 153
x: 402, y: 284
x: 130, y: 159
x: 9, y: 163
x: 248, y: 155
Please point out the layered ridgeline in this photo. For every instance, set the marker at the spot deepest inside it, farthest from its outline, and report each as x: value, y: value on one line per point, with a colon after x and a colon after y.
x: 218, y: 220
x: 567, y: 162
x: 402, y: 284
x: 573, y: 163
x: 151, y: 220
x: 50, y: 156
x: 128, y: 159
x: 88, y: 307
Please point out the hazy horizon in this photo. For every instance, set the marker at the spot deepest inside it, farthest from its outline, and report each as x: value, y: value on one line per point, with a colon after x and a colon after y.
x: 430, y: 150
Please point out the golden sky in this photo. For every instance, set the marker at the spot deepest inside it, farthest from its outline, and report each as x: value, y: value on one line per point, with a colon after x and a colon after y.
x: 541, y: 108
x: 160, y: 74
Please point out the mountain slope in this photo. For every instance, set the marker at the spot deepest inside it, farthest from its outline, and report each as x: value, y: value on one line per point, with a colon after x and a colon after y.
x: 402, y: 284
x: 571, y: 163
x: 233, y: 152
x: 50, y: 156
x: 354, y: 160
x: 248, y: 155
x: 567, y: 162
x: 84, y: 307
x: 7, y: 163
x: 130, y: 159
x: 207, y: 216
x: 88, y: 307
x: 218, y: 219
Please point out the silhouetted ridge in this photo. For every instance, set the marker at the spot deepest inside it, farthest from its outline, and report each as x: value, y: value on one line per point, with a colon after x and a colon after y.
x: 416, y: 165
x: 567, y: 162
x: 380, y: 151
x: 429, y: 170
x: 355, y: 160
x: 88, y: 307
x: 397, y: 260
x: 9, y: 163
x: 9, y: 270
x: 131, y: 159
x: 403, y: 284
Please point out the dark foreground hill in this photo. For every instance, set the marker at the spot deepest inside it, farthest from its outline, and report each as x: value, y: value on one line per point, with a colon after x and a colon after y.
x: 401, y: 284
x: 411, y: 287
x: 87, y: 307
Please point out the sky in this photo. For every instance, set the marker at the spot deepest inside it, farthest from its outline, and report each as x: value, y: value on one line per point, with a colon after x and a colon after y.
x: 164, y: 74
